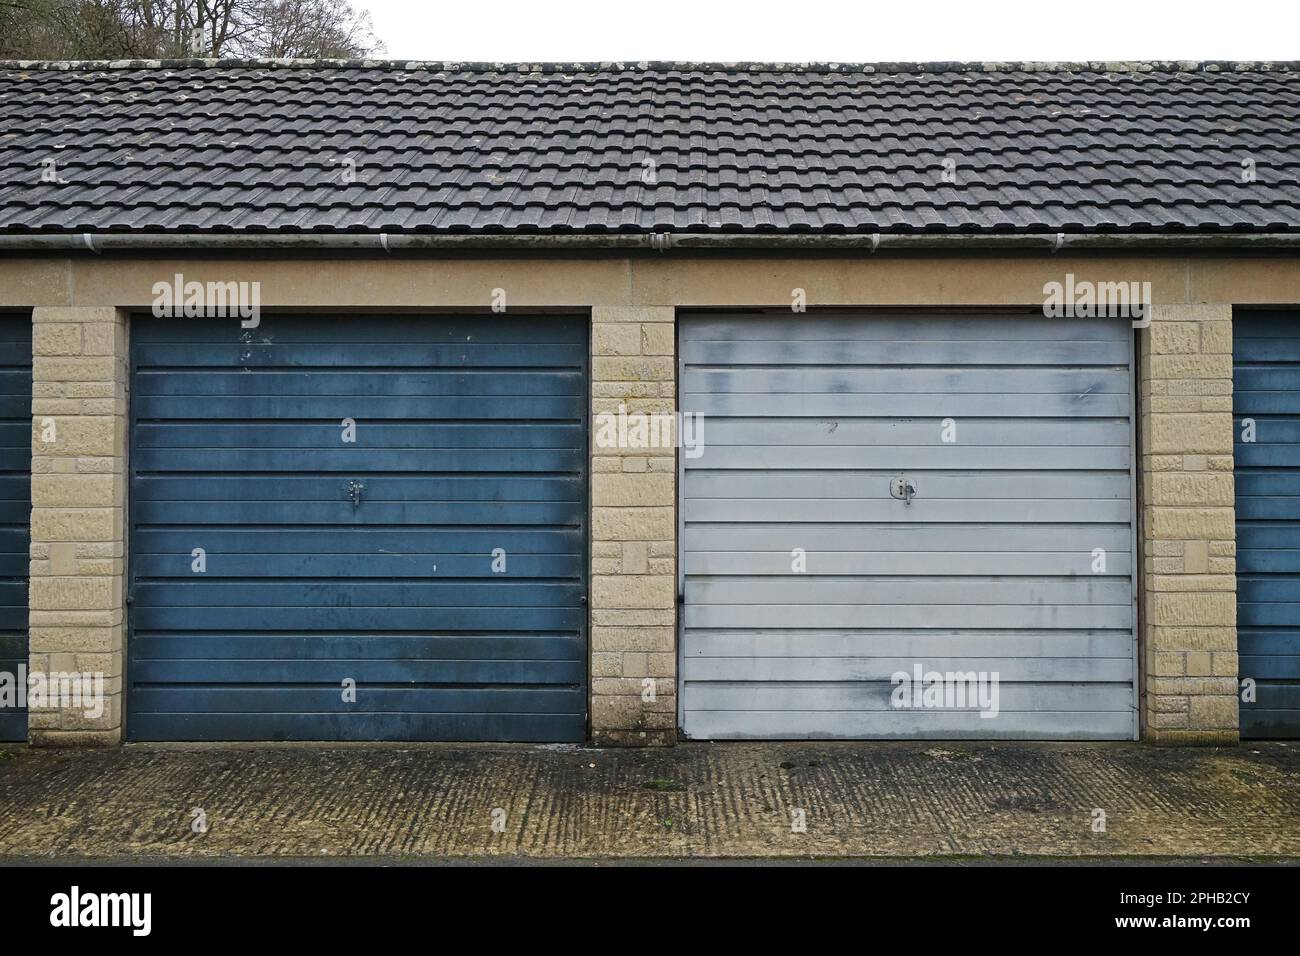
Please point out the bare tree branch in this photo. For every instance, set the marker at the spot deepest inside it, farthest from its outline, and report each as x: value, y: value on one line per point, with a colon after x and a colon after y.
x: 108, y: 29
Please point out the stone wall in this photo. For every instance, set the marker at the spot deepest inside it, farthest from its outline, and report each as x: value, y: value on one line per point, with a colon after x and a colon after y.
x: 1189, y: 580
x: 79, y: 374
x: 634, y: 530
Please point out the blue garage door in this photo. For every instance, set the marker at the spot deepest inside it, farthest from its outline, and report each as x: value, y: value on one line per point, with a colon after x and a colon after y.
x: 359, y: 528
x: 15, y: 508
x: 1266, y: 405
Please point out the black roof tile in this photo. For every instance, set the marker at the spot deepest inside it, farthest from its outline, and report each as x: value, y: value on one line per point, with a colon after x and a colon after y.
x: 747, y: 148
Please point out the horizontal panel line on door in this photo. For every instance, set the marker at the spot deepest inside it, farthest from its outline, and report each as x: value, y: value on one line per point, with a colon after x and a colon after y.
x: 946, y: 505
x: 901, y: 354
x: 370, y: 685
x: 792, y: 603
x: 273, y: 527
x: 268, y: 673
x: 223, y: 618
x: 896, y: 526
x: 224, y: 463
x: 771, y: 422
x: 527, y: 728
x: 992, y: 575
x: 882, y: 554
x: 371, y: 498
x: 840, y: 367
x: 347, y: 541
x: 360, y: 473
x: 790, y: 405
x: 426, y: 634
x: 222, y: 568
x: 158, y: 511
x: 881, y: 669
x: 323, y: 407
x: 149, y: 425
x: 421, y: 365
x: 927, y: 661
x: 913, y: 615
x: 908, y: 457
x: 821, y: 564
x: 299, y: 384
x: 358, y: 711
x: 229, y: 554
x: 934, y: 713
x: 900, y: 643
x: 503, y: 578
x: 159, y: 453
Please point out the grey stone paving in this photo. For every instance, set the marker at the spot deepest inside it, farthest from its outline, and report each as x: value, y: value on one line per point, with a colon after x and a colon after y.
x: 433, y: 802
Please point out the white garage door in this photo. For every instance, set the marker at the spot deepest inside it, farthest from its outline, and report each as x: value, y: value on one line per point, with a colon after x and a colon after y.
x: 908, y: 526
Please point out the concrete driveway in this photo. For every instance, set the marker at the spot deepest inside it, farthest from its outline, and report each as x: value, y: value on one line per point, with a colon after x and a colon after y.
x: 844, y: 800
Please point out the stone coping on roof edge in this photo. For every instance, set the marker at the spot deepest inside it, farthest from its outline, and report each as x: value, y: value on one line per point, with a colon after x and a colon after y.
x: 662, y: 66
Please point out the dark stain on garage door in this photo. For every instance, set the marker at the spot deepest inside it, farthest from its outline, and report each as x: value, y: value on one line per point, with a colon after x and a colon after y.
x: 359, y: 527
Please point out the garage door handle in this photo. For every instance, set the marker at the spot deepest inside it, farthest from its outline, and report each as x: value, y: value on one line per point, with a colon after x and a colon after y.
x: 354, y: 492
x: 904, y: 488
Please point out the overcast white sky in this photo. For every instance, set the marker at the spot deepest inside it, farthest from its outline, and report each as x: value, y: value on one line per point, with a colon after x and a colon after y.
x: 866, y: 30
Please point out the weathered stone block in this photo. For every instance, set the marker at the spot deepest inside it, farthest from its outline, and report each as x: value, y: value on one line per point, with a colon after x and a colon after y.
x: 77, y: 524
x: 635, y: 490
x: 94, y: 435
x: 1218, y: 608
x: 1198, y: 488
x: 56, y: 338
x: 632, y: 524
x: 74, y: 594
x: 658, y: 339
x: 1213, y: 712
x: 615, y: 338
x: 1175, y: 338
x: 104, y: 491
x: 650, y: 639
x: 629, y: 369
x: 1180, y: 434
x: 633, y: 591
x: 635, y: 313
x: 635, y: 557
x: 1186, y: 523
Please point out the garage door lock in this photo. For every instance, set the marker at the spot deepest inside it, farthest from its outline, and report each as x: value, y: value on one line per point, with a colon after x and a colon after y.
x: 903, y: 488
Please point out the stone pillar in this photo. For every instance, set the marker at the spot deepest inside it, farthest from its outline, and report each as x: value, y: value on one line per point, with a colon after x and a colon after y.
x: 633, y: 538
x: 1189, y: 632
x: 77, y: 620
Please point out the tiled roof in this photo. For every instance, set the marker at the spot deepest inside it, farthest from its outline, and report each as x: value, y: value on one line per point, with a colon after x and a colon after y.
x: 685, y: 148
